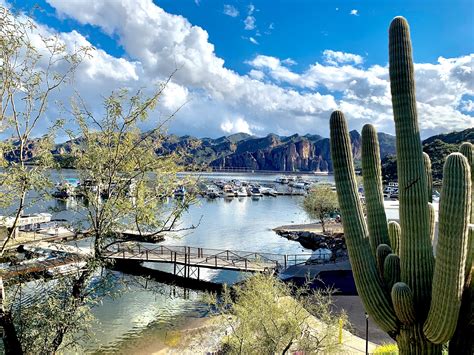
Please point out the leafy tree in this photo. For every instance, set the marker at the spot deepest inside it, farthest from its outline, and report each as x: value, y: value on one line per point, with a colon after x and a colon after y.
x: 320, y: 202
x: 131, y: 185
x: 267, y: 316
x: 32, y: 67
x: 134, y: 185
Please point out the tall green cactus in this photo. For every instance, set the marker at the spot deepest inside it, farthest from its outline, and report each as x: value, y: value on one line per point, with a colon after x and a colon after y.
x: 414, y: 298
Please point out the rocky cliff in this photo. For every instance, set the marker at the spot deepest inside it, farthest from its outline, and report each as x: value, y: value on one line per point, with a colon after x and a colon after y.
x: 272, y: 152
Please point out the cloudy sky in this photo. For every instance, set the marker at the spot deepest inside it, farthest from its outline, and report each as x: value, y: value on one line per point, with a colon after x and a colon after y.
x: 270, y: 66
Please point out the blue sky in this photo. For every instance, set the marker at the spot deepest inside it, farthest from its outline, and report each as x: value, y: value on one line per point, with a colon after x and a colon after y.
x: 275, y: 66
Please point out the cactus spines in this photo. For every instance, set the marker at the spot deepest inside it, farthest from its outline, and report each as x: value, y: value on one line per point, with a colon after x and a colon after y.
x: 416, y: 268
x: 432, y: 221
x: 368, y: 282
x: 391, y: 270
x: 429, y: 176
x: 424, y: 299
x: 448, y: 278
x: 467, y: 149
x: 382, y: 251
x: 371, y: 167
x: 394, y: 234
x: 402, y: 299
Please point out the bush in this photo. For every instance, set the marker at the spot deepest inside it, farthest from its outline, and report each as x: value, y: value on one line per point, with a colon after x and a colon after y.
x: 267, y: 316
x: 387, y: 349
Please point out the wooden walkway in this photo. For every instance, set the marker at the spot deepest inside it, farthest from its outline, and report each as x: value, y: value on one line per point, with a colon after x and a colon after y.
x: 188, y: 260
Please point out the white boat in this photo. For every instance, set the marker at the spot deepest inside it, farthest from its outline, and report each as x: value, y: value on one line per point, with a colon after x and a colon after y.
x: 228, y: 191
x: 180, y: 192
x: 66, y: 188
x: 282, y: 180
x: 212, y: 192
x: 320, y: 255
x: 320, y: 173
x: 255, y: 191
x: 268, y: 191
x: 242, y: 192
x: 297, y: 185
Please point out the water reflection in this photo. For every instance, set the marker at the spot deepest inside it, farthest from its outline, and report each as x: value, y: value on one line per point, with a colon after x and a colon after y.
x: 150, y: 311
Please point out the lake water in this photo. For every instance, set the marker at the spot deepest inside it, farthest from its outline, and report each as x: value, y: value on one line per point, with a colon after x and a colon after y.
x: 151, y: 310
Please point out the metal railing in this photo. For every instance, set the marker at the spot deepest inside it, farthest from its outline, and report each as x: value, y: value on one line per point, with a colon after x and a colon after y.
x: 205, y: 257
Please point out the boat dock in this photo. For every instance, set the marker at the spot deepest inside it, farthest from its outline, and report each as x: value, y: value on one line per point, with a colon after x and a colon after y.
x: 188, y: 260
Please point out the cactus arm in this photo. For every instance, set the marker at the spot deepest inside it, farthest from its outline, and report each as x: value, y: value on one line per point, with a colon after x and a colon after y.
x: 429, y: 176
x: 382, y: 251
x: 391, y: 270
x: 448, y: 279
x: 462, y: 341
x: 432, y: 221
x: 369, y: 285
x: 467, y: 149
x: 394, y: 232
x: 402, y: 298
x: 371, y: 168
x: 416, y: 252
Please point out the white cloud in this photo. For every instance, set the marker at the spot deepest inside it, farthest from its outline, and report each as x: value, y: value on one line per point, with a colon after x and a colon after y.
x: 467, y: 105
x: 249, y: 23
x: 253, y: 40
x: 251, y: 8
x: 288, y: 61
x: 236, y: 125
x: 256, y: 74
x: 272, y: 97
x: 354, y: 12
x: 231, y: 11
x: 337, y: 57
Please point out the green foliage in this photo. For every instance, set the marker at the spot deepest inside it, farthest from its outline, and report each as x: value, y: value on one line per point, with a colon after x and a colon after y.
x: 426, y: 297
x: 133, y: 184
x: 31, y: 69
x: 267, y: 316
x: 437, y: 151
x: 387, y: 349
x: 320, y: 203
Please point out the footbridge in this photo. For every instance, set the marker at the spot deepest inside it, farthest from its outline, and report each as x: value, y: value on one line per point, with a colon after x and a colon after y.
x: 188, y: 260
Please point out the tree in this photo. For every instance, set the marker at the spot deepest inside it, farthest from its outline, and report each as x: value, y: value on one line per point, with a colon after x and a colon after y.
x: 267, y: 316
x: 33, y: 66
x: 320, y: 202
x: 131, y: 186
x: 134, y: 185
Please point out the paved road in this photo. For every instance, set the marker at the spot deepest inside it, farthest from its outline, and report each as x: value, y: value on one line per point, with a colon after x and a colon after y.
x: 356, y: 313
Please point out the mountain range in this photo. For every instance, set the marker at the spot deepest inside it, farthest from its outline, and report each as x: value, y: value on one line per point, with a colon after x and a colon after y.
x: 308, y: 152
x: 272, y: 152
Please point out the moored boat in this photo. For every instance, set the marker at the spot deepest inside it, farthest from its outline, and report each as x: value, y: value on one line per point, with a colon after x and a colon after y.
x: 228, y: 191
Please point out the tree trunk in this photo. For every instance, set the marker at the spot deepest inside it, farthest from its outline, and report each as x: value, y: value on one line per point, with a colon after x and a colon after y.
x: 11, y: 343
x: 412, y: 341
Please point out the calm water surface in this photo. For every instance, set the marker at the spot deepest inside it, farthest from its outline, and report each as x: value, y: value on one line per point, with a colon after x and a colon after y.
x: 143, y: 311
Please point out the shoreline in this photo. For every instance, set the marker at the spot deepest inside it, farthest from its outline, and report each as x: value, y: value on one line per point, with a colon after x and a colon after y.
x: 204, y: 335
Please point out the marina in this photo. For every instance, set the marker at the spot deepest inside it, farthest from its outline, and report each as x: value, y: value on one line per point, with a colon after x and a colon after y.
x: 210, y: 254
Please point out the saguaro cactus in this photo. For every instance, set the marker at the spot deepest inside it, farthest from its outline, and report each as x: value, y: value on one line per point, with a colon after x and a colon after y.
x: 413, y: 296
